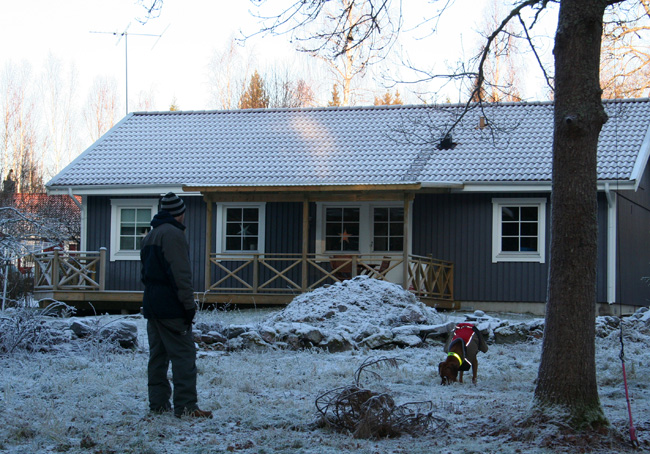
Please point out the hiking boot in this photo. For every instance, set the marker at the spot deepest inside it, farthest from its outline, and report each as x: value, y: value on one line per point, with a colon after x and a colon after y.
x: 196, y: 413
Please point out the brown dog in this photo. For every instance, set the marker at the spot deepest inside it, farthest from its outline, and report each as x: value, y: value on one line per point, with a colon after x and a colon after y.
x: 462, y: 346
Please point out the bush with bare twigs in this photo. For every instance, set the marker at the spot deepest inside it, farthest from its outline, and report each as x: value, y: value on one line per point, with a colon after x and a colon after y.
x: 371, y: 415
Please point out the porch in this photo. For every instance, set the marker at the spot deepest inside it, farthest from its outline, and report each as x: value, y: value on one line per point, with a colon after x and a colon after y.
x: 79, y: 278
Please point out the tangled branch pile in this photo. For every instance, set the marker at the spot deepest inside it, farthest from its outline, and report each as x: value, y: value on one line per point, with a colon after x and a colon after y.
x: 368, y: 414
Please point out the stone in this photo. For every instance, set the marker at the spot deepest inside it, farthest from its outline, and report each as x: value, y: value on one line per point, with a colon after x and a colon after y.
x: 378, y: 340
x: 336, y: 343
x: 79, y: 328
x: 124, y: 332
x: 407, y: 340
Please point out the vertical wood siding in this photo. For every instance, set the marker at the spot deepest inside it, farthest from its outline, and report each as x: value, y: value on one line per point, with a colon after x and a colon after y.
x: 634, y: 244
x: 458, y: 228
x: 125, y: 274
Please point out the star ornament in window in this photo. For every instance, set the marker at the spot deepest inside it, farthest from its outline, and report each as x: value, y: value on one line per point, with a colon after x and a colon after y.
x: 345, y: 236
x: 244, y: 230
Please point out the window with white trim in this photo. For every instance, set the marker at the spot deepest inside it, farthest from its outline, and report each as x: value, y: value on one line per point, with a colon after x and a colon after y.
x: 519, y: 230
x: 362, y: 227
x: 388, y: 229
x: 130, y: 222
x: 241, y: 227
x: 342, y: 229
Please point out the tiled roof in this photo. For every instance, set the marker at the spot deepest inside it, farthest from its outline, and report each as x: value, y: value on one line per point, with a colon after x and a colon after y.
x: 372, y: 145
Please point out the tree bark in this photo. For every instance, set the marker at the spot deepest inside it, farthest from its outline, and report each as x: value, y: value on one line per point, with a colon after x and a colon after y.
x: 567, y: 372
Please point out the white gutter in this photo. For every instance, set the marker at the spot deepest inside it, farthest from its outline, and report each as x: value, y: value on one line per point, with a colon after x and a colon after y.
x: 611, y: 245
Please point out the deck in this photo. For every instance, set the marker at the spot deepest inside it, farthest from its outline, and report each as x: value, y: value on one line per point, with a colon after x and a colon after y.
x: 78, y: 278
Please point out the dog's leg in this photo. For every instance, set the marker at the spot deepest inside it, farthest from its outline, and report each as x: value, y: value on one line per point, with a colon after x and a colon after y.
x: 474, y: 371
x: 460, y: 376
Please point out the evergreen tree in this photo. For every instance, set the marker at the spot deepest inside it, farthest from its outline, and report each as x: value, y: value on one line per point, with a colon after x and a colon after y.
x: 336, y: 101
x: 255, y: 96
x: 388, y: 99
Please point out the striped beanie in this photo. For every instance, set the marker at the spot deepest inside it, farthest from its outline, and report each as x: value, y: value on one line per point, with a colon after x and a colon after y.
x: 173, y: 204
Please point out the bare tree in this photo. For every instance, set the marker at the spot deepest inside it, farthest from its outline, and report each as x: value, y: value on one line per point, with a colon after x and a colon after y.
x: 342, y: 33
x: 146, y: 100
x: 58, y: 89
x: 285, y: 91
x: 625, y: 55
x: 100, y: 112
x: 502, y: 65
x: 228, y: 73
x: 21, y: 151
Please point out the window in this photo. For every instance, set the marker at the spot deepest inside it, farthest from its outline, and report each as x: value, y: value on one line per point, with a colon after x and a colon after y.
x: 359, y: 227
x: 388, y: 229
x: 342, y: 228
x: 130, y: 222
x: 519, y: 227
x: 242, y: 227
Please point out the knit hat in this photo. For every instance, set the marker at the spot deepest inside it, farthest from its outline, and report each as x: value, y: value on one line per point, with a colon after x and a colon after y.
x: 173, y: 204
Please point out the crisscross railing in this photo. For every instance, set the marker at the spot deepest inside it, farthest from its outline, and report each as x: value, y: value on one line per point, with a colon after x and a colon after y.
x: 280, y: 274
x: 298, y: 273
x: 70, y: 270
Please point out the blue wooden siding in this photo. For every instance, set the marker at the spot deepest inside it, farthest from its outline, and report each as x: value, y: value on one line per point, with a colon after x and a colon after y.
x: 633, y: 212
x: 125, y: 274
x: 454, y: 227
x: 458, y: 228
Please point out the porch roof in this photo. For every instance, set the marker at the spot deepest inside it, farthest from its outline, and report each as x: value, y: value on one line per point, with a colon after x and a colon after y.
x: 352, y: 146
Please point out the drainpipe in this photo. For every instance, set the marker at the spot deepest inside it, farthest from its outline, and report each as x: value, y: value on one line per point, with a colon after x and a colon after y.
x: 611, y: 245
x: 82, y: 246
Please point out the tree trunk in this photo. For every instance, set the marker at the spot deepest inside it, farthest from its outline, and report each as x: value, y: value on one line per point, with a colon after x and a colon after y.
x: 567, y: 373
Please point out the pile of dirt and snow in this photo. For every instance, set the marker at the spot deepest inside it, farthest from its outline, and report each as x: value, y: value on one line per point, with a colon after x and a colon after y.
x: 360, y: 312
x: 372, y: 314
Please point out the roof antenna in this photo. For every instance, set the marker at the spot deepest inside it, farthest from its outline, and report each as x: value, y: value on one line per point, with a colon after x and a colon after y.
x: 126, y: 34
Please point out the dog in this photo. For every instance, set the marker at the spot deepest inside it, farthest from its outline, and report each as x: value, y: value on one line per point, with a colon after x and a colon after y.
x: 464, y: 342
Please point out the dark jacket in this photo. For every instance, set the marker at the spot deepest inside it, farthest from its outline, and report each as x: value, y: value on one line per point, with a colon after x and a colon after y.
x: 166, y: 269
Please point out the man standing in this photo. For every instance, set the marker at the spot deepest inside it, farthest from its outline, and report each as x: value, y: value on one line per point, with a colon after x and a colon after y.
x: 168, y: 305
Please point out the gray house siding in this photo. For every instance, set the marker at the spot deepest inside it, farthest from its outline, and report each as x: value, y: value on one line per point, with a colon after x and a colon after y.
x: 453, y: 227
x: 283, y: 234
x: 125, y: 274
x: 458, y: 228
x: 633, y: 211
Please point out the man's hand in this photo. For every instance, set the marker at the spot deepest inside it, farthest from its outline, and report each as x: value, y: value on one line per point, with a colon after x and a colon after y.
x: 189, y: 316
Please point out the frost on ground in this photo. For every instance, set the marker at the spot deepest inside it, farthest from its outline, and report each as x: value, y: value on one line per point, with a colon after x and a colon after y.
x: 88, y: 396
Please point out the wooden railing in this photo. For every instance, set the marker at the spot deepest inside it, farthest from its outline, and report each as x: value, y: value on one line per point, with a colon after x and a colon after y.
x: 70, y: 270
x: 297, y: 273
x: 262, y: 273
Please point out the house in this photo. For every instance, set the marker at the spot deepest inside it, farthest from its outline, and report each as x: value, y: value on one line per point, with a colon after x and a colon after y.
x: 282, y: 200
x: 39, y: 222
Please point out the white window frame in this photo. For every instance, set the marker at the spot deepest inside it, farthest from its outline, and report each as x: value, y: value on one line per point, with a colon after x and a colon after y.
x: 498, y: 255
x: 366, y: 223
x: 220, y: 243
x: 116, y: 206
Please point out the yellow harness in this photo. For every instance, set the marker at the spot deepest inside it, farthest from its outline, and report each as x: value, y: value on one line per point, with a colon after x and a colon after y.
x: 457, y: 356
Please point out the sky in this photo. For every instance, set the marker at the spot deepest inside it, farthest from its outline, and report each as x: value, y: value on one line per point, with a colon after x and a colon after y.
x: 173, y: 65
x: 173, y: 62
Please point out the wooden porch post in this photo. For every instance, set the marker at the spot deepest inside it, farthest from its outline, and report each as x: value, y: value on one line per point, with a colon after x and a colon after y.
x: 208, y: 243
x: 305, y: 242
x: 102, y: 269
x: 55, y: 269
x: 407, y: 240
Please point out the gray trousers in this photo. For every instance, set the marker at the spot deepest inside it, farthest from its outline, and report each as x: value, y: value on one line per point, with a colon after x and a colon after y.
x: 171, y: 340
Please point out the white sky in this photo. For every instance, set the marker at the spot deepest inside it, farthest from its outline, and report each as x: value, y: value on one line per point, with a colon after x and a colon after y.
x: 174, y: 66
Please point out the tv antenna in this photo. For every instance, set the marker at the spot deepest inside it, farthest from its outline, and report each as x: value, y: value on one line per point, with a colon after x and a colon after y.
x: 126, y: 34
